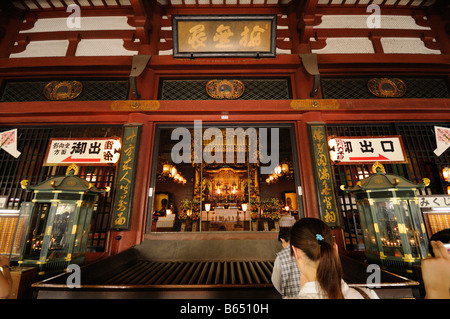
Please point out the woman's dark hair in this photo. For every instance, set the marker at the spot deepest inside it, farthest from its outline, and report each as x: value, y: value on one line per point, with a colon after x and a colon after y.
x: 314, y: 238
x: 284, y: 234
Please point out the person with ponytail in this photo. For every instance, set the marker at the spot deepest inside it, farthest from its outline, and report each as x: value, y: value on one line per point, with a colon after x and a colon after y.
x: 317, y: 258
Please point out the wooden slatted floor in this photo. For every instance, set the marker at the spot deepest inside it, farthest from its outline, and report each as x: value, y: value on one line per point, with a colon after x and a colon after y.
x: 195, y: 273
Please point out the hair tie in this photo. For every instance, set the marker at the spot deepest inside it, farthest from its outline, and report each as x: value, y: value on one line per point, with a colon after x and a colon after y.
x: 319, y: 237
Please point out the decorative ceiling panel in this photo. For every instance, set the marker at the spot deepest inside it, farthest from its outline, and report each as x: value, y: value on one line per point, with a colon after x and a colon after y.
x: 383, y: 3
x: 59, y: 4
x: 37, y: 5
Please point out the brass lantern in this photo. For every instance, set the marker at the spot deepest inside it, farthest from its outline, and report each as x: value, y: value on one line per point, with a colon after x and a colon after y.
x: 391, y: 221
x: 52, y: 230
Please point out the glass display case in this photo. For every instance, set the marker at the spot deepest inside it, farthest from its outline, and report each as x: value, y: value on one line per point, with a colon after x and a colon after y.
x: 393, y: 229
x: 53, y: 229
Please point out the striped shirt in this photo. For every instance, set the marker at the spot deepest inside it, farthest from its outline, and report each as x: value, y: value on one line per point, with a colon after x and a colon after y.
x: 285, y: 275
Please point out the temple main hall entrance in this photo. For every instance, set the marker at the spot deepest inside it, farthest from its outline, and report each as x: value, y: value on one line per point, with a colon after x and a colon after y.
x: 214, y: 178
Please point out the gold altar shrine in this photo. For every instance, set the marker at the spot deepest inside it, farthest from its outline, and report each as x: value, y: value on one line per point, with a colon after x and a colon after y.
x: 226, y: 193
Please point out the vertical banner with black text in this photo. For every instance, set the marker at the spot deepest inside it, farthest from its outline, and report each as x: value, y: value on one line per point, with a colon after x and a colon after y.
x: 125, y: 178
x: 323, y: 174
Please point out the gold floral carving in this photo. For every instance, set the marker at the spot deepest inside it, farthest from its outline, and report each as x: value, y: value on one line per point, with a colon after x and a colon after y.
x: 308, y: 104
x: 225, y: 89
x: 62, y: 90
x: 135, y: 105
x: 383, y: 87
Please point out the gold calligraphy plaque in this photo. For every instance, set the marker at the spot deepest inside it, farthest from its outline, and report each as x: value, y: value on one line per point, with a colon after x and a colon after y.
x: 200, y: 36
x: 135, y: 105
x: 308, y: 104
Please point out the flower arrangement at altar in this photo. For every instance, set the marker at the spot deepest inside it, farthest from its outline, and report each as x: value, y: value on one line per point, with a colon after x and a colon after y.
x: 195, y: 215
x: 183, y: 215
x: 269, y: 204
x: 190, y: 209
x: 254, y: 206
x: 254, y: 215
x: 190, y: 204
x: 270, y: 208
x: 273, y: 215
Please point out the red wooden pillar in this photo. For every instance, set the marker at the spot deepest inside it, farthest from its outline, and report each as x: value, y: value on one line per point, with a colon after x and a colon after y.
x: 124, y: 239
x: 10, y: 25
x: 309, y: 190
x: 438, y: 25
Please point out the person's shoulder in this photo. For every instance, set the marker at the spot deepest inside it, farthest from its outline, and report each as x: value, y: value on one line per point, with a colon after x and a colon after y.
x: 310, y: 290
x: 285, y: 252
x: 307, y: 296
x: 358, y: 292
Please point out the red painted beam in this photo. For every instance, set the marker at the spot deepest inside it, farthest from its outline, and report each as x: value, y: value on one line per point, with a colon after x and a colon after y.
x: 212, y: 110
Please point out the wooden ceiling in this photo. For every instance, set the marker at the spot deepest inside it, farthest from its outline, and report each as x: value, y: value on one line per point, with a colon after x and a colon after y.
x: 40, y: 5
x: 60, y: 4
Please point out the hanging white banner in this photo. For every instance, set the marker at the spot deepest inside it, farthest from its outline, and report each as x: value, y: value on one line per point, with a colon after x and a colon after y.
x: 442, y: 139
x: 345, y: 150
x: 8, y: 142
x: 82, y: 151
